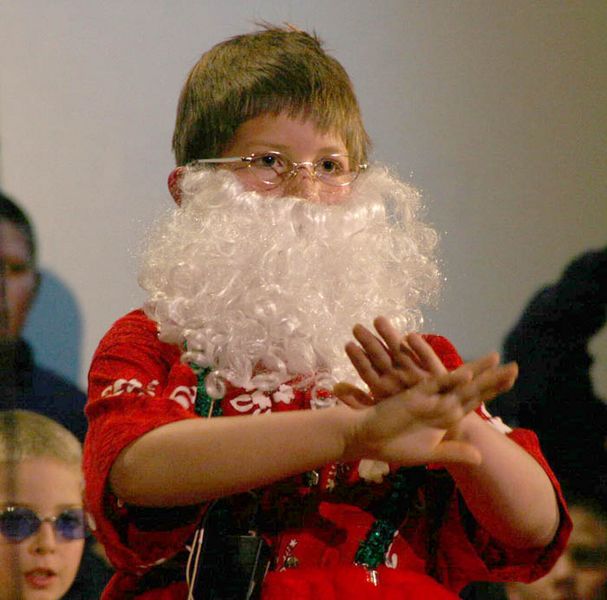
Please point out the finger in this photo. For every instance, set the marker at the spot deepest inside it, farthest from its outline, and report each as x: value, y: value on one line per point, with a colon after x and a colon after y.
x: 396, y: 343
x: 450, y: 382
x: 427, y: 357
x: 488, y: 384
x: 352, y: 396
x: 360, y: 361
x: 502, y: 382
x: 378, y: 353
x: 451, y: 451
x: 410, y: 371
x: 479, y: 388
x: 388, y: 333
x: 350, y: 401
x: 482, y: 364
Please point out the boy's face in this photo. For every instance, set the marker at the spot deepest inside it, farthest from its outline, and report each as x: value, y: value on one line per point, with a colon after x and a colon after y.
x: 581, y: 572
x: 298, y: 140
x: 19, y: 279
x: 44, y: 565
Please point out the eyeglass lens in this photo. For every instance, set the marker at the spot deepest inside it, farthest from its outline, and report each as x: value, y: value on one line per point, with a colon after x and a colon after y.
x: 273, y: 166
x: 19, y: 523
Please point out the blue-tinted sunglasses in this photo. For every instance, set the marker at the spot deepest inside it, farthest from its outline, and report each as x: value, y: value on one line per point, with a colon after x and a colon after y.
x: 18, y: 523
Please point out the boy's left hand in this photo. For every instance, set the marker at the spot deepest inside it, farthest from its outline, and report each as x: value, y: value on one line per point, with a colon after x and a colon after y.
x: 393, y: 363
x: 389, y: 364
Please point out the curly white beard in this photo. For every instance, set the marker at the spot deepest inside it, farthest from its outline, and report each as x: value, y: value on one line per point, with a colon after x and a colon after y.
x: 260, y: 289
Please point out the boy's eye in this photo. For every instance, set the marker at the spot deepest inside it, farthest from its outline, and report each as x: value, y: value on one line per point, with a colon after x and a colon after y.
x: 269, y: 161
x: 589, y: 557
x: 330, y: 166
x: 14, y: 267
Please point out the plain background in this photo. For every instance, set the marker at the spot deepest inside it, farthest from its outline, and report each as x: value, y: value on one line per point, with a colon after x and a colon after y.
x: 496, y: 111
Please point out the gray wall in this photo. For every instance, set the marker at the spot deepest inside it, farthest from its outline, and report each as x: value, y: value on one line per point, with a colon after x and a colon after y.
x: 496, y: 110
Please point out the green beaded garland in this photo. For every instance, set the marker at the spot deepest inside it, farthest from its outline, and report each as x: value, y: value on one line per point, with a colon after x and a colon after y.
x: 205, y: 406
x: 372, y: 550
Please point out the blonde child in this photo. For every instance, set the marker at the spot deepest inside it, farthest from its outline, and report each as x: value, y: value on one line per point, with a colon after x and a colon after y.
x: 283, y: 239
x: 42, y: 526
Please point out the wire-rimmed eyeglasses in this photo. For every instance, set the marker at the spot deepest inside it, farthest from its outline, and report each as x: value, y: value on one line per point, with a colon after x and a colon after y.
x: 272, y: 168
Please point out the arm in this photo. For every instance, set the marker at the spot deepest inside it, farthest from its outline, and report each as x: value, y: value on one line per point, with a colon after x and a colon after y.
x: 507, y: 492
x: 192, y: 460
x: 188, y: 461
x: 145, y: 439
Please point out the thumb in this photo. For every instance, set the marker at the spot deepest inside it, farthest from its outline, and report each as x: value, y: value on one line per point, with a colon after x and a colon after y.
x: 352, y: 396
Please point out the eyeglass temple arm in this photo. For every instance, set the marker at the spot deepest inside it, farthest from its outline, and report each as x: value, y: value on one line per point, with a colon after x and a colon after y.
x: 229, y: 159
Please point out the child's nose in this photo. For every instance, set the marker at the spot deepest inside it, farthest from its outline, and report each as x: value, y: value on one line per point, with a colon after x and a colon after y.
x: 303, y: 184
x: 44, y: 540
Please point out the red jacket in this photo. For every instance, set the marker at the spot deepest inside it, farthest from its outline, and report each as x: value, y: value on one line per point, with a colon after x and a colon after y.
x: 137, y: 383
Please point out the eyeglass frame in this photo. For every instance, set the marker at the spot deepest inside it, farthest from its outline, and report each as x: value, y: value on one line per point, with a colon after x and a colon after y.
x: 52, y: 520
x: 248, y: 159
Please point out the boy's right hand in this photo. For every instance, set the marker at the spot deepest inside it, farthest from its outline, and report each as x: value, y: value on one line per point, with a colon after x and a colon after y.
x: 409, y: 428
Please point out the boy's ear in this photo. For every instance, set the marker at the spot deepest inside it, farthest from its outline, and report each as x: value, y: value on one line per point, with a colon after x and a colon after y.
x: 174, y: 183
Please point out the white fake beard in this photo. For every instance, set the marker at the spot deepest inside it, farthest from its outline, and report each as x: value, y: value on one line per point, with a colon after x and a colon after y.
x: 261, y: 289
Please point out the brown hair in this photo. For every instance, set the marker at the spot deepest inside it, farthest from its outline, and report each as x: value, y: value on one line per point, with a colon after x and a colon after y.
x: 265, y: 72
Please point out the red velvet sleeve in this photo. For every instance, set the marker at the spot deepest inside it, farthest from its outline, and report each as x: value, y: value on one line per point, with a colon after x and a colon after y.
x: 466, y: 551
x: 136, y: 384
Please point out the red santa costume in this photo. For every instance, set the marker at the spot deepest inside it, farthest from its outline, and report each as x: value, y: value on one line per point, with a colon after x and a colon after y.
x: 234, y: 327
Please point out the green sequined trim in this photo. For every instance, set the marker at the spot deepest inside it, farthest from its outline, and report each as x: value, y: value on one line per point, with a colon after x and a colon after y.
x: 372, y: 550
x: 205, y: 406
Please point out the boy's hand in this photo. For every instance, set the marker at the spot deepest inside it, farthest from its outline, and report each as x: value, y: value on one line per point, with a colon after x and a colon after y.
x: 391, y: 363
x: 409, y: 428
x: 395, y: 363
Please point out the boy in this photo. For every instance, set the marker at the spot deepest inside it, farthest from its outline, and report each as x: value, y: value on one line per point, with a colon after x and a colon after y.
x: 42, y: 526
x: 282, y: 242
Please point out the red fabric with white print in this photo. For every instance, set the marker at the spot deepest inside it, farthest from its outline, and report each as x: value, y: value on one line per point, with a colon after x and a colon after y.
x: 138, y: 383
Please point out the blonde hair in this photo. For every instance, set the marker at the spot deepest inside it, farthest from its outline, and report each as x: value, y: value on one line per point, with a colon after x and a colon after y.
x: 25, y: 434
x: 265, y: 72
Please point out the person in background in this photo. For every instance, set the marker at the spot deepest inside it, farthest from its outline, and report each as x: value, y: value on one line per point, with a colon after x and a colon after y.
x: 23, y: 383
x: 580, y: 573
x: 42, y: 523
x: 554, y: 393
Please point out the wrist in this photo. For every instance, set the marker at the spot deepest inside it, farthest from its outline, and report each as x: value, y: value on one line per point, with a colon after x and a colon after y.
x: 352, y: 427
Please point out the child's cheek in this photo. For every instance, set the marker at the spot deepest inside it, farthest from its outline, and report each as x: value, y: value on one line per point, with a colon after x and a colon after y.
x: 335, y: 196
x: 251, y: 183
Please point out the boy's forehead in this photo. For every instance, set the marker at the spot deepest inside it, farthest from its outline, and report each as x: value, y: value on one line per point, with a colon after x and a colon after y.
x: 285, y: 132
x: 40, y: 478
